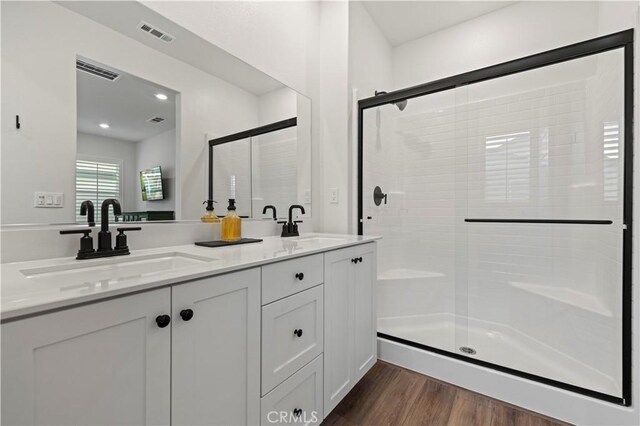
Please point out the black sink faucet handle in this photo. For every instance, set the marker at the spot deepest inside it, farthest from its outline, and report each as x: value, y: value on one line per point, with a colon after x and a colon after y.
x: 86, y: 242
x: 104, y: 236
x: 121, y: 238
x: 290, y: 229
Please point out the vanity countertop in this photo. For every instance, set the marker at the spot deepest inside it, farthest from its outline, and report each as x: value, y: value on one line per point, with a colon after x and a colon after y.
x: 37, y: 286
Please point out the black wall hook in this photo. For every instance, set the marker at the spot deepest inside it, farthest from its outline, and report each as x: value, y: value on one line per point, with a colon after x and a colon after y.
x: 17, y: 122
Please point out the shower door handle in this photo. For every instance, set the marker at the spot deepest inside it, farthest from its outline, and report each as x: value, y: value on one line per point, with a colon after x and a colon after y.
x: 378, y: 196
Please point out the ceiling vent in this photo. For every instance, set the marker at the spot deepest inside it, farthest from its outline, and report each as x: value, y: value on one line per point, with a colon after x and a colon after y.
x: 156, y: 120
x: 155, y: 32
x: 96, y: 70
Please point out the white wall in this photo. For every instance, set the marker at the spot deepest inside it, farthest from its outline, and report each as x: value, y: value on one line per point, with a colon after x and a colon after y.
x: 370, y: 69
x: 110, y: 148
x: 522, y: 29
x: 370, y: 54
x: 335, y: 156
x: 158, y: 150
x: 46, y: 143
x: 273, y: 36
x: 277, y: 105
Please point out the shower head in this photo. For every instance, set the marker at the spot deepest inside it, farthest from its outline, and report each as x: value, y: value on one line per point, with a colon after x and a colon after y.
x: 400, y: 104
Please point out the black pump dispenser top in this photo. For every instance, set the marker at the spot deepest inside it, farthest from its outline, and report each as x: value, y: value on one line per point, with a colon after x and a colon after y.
x: 232, y: 204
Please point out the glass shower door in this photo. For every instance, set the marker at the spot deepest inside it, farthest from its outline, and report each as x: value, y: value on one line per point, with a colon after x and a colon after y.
x: 501, y: 207
x: 545, y: 221
x: 410, y: 199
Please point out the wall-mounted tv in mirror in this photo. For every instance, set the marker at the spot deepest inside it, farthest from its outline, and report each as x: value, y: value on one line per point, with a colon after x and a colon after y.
x: 151, y: 184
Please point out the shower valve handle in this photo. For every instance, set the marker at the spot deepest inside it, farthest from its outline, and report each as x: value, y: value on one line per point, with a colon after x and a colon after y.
x: 379, y: 196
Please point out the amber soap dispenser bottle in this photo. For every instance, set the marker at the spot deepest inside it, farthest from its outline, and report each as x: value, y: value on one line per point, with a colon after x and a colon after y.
x: 231, y: 228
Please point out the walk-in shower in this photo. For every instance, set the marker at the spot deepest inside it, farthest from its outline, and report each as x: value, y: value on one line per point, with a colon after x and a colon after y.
x: 503, y: 197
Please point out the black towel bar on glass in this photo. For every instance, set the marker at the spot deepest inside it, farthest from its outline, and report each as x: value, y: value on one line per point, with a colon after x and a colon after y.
x: 561, y: 221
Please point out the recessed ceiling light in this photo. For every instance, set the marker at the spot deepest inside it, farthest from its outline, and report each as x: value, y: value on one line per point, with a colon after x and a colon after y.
x: 104, y: 125
x: 161, y: 96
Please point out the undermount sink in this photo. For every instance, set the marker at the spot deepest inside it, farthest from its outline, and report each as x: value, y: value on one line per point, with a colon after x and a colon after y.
x: 119, y: 269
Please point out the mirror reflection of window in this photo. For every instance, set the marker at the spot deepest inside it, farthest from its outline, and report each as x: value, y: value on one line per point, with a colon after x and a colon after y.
x: 507, y: 167
x: 611, y: 151
x: 97, y: 180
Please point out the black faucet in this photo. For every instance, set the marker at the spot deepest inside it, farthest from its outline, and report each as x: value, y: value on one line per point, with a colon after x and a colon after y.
x: 104, y: 236
x: 87, y: 206
x: 270, y: 207
x: 290, y: 229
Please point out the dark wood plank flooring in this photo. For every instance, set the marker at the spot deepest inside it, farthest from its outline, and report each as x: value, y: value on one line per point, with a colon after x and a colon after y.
x: 391, y: 395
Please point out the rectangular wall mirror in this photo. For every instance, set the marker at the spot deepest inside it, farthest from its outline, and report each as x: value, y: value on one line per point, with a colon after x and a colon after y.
x: 112, y: 100
x: 126, y: 143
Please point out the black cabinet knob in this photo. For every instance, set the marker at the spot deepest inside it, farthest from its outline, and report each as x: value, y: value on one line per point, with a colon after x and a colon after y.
x: 186, y: 314
x: 298, y: 332
x: 300, y: 276
x: 354, y: 260
x: 163, y: 320
x: 360, y: 259
x: 297, y: 412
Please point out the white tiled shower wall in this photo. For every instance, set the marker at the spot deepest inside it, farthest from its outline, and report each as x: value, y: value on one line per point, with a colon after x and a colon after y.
x: 444, y: 159
x: 275, y: 171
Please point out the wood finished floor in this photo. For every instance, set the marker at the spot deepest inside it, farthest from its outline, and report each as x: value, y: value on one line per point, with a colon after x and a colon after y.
x: 391, y: 395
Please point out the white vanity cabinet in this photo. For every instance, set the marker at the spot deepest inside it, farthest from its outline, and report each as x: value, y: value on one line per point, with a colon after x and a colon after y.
x: 282, y: 342
x: 112, y: 362
x: 103, y: 363
x: 350, y: 320
x: 215, y: 351
x: 293, y: 341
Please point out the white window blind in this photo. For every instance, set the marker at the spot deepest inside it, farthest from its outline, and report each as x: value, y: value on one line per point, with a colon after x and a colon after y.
x: 611, y: 145
x: 97, y: 181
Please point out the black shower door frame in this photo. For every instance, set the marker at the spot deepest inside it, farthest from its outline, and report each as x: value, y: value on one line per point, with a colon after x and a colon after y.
x: 619, y: 40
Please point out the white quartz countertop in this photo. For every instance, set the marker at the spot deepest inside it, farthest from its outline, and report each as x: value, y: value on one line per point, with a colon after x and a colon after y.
x: 28, y: 288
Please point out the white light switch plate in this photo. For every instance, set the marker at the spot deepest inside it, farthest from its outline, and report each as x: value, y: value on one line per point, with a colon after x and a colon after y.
x: 333, y: 195
x: 48, y: 200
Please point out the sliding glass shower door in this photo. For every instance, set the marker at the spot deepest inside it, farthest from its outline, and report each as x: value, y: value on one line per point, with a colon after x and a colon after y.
x: 501, y: 204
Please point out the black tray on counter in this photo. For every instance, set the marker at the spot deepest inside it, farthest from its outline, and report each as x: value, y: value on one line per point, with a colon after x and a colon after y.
x: 220, y: 243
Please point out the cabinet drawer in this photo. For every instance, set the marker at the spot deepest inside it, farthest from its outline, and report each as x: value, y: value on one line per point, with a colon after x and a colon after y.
x: 297, y: 400
x: 292, y: 335
x: 283, y: 279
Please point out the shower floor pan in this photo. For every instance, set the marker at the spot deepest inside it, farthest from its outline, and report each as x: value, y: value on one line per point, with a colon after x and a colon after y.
x: 497, y: 344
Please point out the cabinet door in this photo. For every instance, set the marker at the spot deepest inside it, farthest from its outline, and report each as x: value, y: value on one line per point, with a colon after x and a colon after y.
x: 103, y: 363
x: 339, y: 326
x: 216, y: 353
x: 364, y: 306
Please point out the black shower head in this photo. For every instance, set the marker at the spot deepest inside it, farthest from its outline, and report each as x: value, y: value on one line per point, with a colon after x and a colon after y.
x: 400, y: 104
